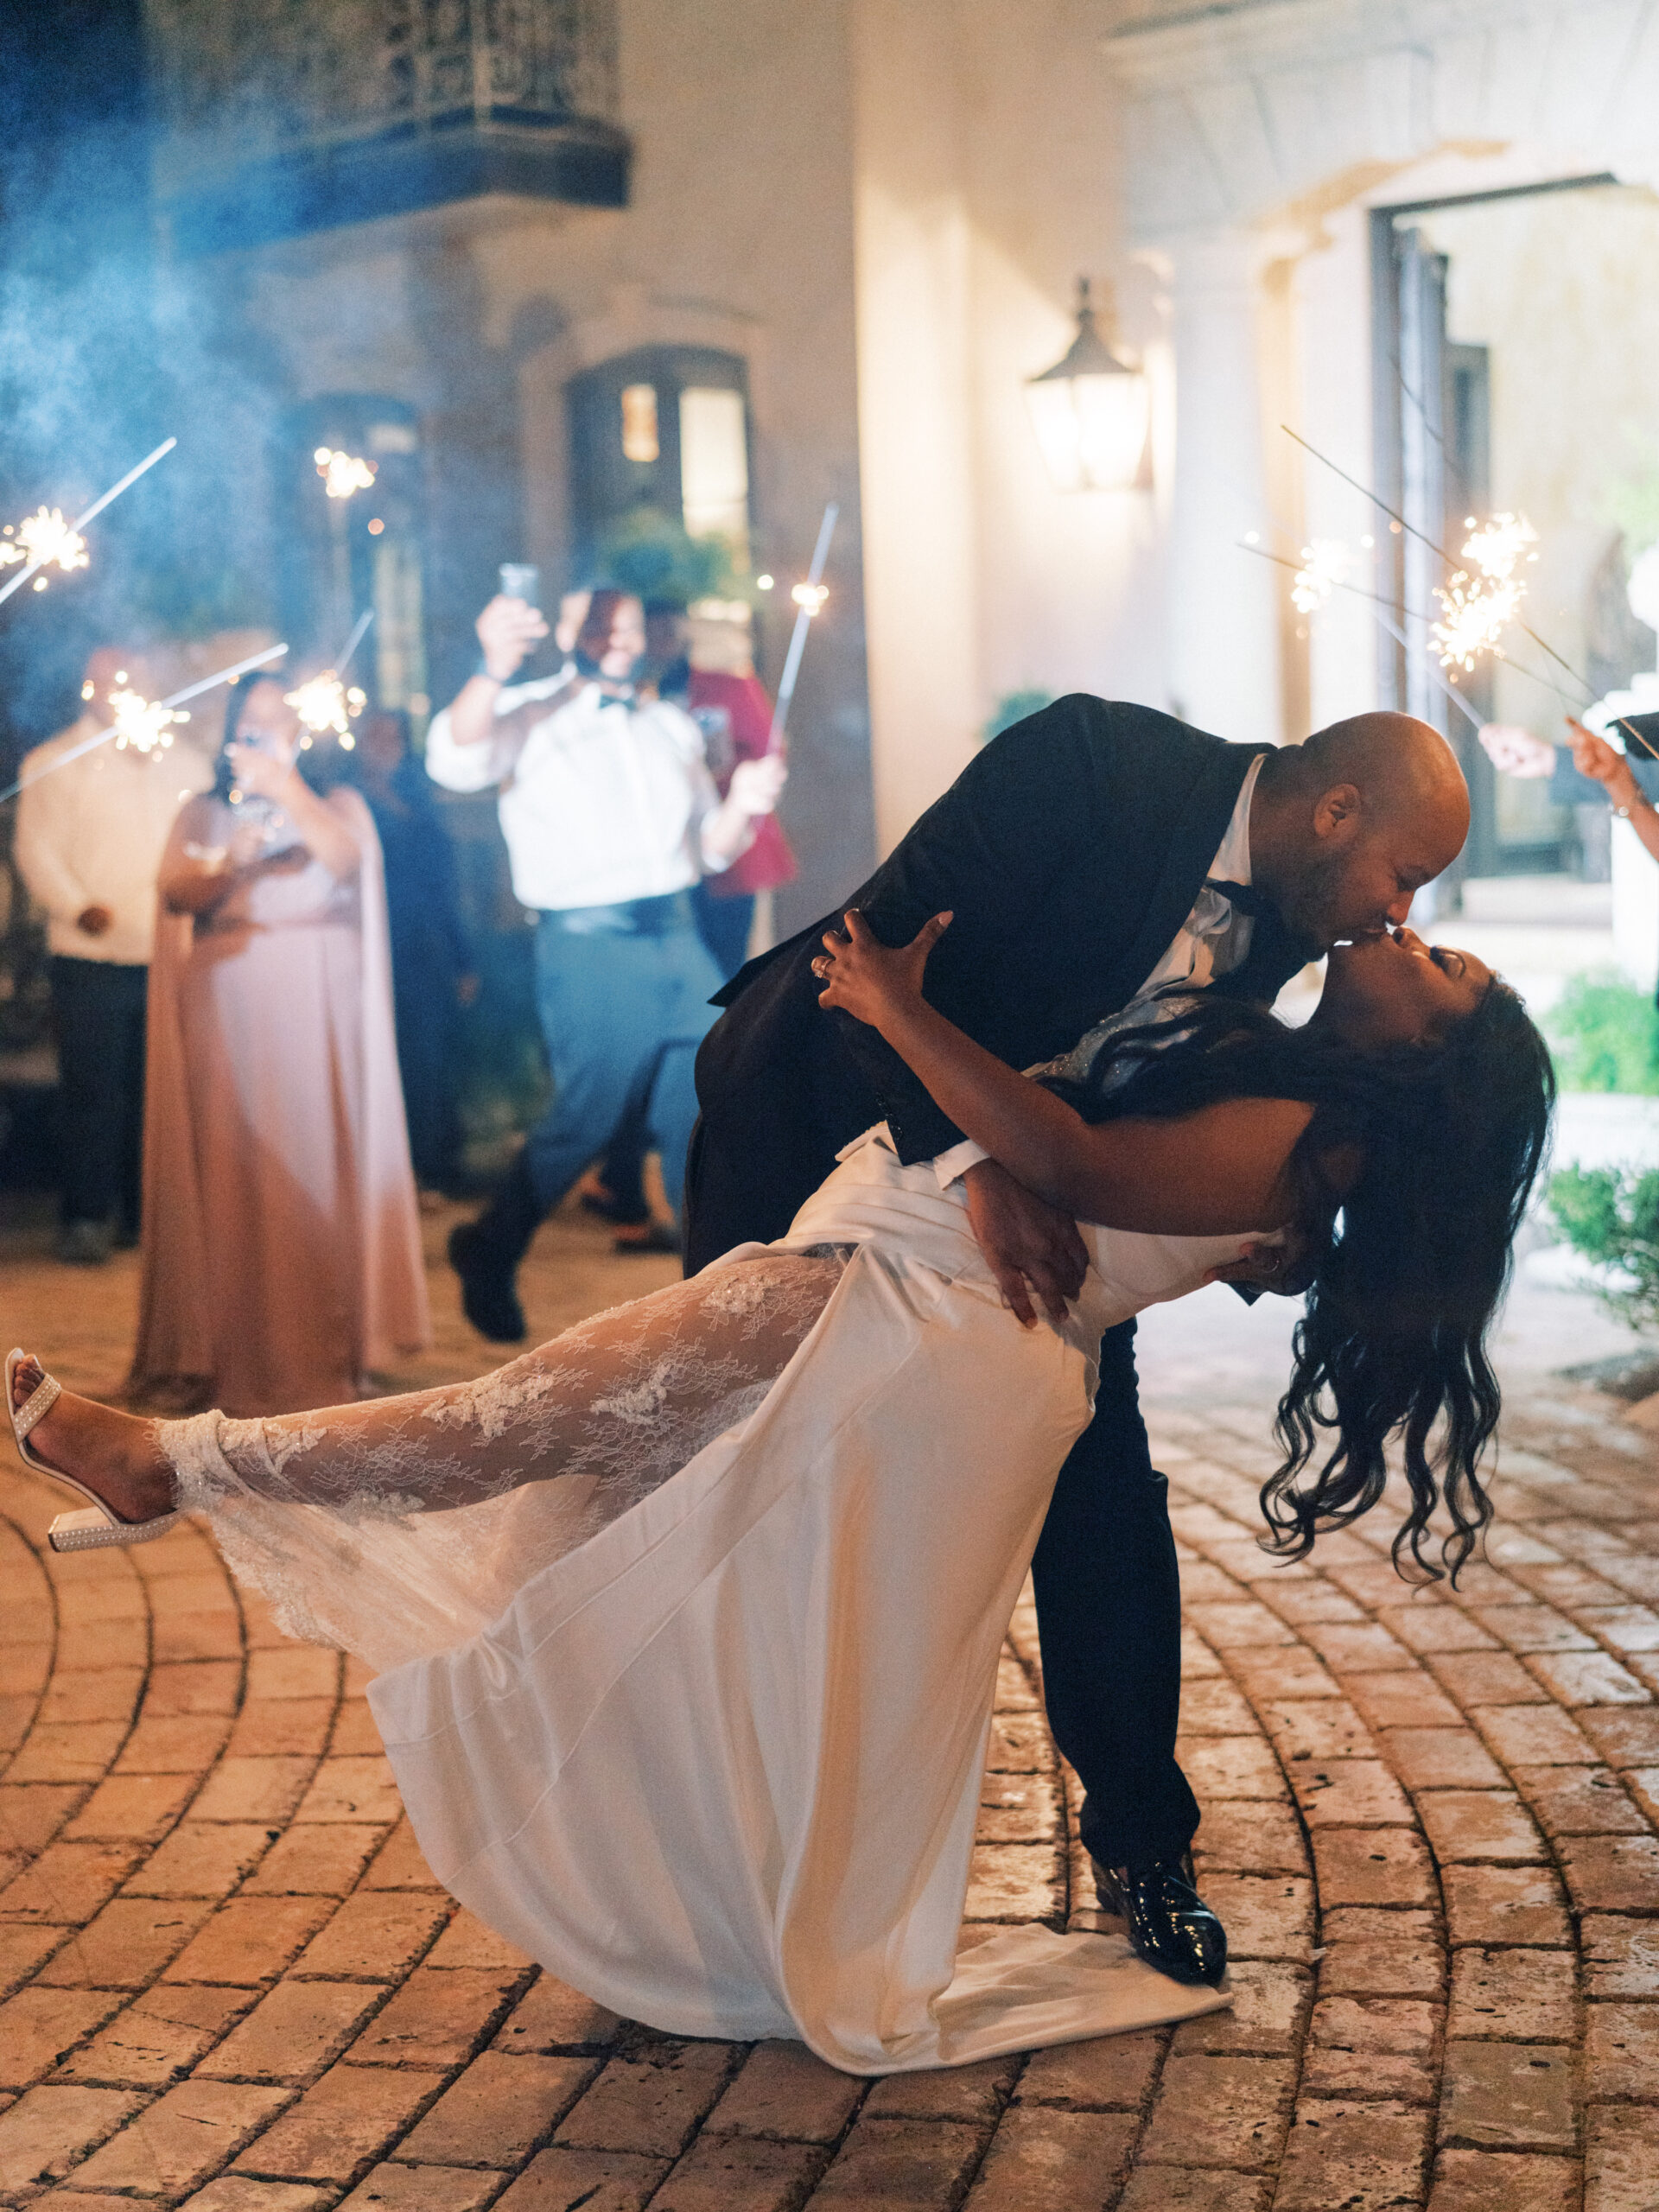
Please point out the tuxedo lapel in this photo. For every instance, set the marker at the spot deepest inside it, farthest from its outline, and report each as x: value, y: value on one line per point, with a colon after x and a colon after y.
x: 1193, y: 845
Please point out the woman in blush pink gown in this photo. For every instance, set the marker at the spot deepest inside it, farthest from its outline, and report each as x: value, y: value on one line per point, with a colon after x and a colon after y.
x: 282, y: 1238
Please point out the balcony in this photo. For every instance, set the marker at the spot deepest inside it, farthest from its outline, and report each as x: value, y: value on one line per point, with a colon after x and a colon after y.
x: 278, y: 121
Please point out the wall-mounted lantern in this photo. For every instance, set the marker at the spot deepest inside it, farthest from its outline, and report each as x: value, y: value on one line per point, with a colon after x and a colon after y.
x: 1092, y: 412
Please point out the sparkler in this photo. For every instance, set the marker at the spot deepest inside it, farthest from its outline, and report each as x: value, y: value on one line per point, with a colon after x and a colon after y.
x: 1499, y: 547
x: 809, y: 599
x: 1385, y: 599
x: 160, y: 707
x: 41, y: 539
x: 343, y: 473
x: 1325, y: 564
x: 37, y: 561
x: 325, y: 703
x: 1493, y: 539
x: 1473, y: 618
x: 356, y: 638
x: 1476, y: 610
x: 141, y: 724
x: 328, y: 702
x: 1451, y: 690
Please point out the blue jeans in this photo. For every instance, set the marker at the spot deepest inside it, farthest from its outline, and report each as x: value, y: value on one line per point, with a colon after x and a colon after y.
x: 622, y: 994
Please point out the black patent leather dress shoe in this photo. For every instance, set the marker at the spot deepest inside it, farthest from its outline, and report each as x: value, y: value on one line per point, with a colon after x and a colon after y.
x: 1169, y: 1924
x: 488, y: 1296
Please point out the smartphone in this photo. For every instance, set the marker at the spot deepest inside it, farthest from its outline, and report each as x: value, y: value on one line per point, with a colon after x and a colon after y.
x: 1640, y: 734
x: 520, y: 581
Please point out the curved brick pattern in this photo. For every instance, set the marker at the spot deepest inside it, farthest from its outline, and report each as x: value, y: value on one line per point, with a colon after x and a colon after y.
x: 228, y: 1980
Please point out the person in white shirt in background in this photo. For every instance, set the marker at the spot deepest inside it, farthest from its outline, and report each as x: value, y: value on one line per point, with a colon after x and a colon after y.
x: 89, y: 843
x: 610, y: 817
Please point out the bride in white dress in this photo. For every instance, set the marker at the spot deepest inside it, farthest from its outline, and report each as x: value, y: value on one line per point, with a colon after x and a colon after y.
x: 686, y: 1624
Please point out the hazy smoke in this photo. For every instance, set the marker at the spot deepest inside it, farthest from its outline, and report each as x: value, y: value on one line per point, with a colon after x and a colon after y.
x: 104, y: 350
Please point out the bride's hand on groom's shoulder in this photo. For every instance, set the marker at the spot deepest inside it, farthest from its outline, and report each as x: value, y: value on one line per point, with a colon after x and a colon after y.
x: 867, y: 979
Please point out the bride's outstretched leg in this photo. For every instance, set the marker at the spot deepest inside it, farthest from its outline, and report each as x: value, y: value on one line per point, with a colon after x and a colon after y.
x: 114, y: 1454
x: 628, y: 1396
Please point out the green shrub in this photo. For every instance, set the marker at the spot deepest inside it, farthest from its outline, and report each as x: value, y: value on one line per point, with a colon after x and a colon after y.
x: 651, y: 554
x: 1013, y: 707
x: 1611, y: 1216
x: 1604, y: 1034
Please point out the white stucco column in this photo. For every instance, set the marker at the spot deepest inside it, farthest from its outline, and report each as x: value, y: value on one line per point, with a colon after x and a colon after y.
x: 912, y: 246
x: 1635, y: 907
x: 1223, y: 604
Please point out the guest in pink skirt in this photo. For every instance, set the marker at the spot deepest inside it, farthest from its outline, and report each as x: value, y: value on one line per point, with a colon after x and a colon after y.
x: 281, y: 1239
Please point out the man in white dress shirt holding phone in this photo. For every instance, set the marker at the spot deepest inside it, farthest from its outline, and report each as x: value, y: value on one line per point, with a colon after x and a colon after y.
x: 610, y: 817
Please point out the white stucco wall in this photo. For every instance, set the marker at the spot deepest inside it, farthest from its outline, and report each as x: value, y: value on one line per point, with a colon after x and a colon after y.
x: 986, y: 161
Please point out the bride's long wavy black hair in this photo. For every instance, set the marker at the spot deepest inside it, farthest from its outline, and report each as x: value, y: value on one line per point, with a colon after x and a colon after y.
x: 1411, y: 1261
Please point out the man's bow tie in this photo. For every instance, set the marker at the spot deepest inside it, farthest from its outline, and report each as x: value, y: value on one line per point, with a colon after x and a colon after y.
x: 1244, y: 899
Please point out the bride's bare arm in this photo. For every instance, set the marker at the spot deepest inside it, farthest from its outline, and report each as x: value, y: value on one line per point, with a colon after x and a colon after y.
x: 1222, y: 1169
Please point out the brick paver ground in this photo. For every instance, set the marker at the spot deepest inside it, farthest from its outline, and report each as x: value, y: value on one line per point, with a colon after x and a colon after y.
x: 227, y: 1978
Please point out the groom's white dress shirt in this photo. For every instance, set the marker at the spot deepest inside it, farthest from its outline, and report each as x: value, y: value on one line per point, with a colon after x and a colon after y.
x: 1212, y: 941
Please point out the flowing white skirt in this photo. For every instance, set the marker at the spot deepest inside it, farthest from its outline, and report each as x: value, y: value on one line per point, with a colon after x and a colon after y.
x: 719, y: 1766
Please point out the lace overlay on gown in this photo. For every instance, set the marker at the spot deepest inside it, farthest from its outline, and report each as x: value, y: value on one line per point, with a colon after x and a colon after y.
x: 710, y: 1748
x: 405, y: 1523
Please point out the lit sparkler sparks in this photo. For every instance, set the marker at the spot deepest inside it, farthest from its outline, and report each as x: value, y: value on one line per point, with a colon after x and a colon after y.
x: 1499, y: 548
x: 142, y: 725
x: 1400, y: 523
x: 342, y: 473
x: 56, y: 536
x: 1324, y: 565
x: 325, y: 703
x: 163, y: 706
x: 42, y: 539
x: 1477, y: 609
x: 1473, y: 618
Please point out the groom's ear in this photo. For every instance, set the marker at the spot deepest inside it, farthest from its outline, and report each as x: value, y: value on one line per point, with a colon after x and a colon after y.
x: 1337, y: 815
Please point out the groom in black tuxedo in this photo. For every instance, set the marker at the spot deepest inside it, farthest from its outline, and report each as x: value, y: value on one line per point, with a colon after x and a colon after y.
x: 1078, y: 853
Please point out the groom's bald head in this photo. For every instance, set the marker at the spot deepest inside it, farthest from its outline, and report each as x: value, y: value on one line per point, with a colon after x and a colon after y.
x: 1356, y: 820
x: 1398, y: 764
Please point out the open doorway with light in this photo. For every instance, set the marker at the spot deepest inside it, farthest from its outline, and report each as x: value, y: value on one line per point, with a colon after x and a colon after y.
x: 1514, y: 336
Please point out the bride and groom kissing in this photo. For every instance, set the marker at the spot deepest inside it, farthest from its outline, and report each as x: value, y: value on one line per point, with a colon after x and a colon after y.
x: 1097, y: 855
x: 687, y: 1623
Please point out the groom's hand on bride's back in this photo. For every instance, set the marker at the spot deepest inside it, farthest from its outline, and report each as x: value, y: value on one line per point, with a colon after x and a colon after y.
x: 1035, y: 1251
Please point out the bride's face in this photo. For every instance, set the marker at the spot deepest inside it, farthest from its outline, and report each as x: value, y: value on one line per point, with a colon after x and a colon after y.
x: 1394, y: 989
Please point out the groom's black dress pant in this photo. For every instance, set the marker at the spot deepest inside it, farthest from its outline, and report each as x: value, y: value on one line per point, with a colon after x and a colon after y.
x: 1109, y: 1608
x: 1108, y: 1599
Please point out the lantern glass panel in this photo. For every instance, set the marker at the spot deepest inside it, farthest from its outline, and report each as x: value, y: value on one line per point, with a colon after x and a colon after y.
x: 1092, y: 429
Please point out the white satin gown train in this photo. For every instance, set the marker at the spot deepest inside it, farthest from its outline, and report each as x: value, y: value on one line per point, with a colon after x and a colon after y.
x: 695, y: 1709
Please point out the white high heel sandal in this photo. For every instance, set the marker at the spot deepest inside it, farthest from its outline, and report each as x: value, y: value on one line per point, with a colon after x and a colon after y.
x: 72, y: 1532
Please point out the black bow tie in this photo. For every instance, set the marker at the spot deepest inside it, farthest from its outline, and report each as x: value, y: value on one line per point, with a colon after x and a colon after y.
x: 1244, y: 899
x: 1276, y: 952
